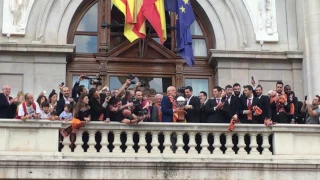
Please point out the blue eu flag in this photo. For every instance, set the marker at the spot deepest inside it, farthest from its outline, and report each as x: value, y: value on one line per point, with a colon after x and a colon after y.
x: 185, y: 18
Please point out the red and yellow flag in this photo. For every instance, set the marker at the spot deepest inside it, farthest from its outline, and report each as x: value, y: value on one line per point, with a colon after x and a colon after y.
x: 130, y: 9
x: 154, y: 12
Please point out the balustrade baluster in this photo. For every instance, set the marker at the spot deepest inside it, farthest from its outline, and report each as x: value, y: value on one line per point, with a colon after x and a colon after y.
x: 92, y: 141
x: 167, y: 143
x: 66, y: 144
x: 253, y: 144
x: 217, y: 143
x: 180, y: 143
x: 130, y: 142
x: 229, y: 144
x: 79, y: 141
x: 142, y: 142
x: 117, y: 142
x: 155, y: 143
x: 241, y: 143
x: 265, y: 144
x: 104, y: 141
x: 192, y: 143
x: 204, y: 143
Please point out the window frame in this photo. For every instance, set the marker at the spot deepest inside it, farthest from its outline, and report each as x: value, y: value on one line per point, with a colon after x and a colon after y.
x: 210, y: 82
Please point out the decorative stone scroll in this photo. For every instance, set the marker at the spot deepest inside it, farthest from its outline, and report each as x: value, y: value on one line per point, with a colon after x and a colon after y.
x: 264, y: 20
x: 15, y: 16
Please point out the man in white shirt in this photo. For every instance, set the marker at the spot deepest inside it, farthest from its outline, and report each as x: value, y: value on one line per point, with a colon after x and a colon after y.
x: 29, y: 109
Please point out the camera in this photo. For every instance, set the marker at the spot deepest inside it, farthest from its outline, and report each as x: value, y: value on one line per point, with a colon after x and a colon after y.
x: 142, y: 112
x: 131, y: 77
x: 132, y: 99
x: 94, y: 81
x: 143, y: 84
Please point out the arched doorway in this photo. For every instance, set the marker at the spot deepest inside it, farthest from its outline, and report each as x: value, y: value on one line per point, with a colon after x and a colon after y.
x: 101, y: 48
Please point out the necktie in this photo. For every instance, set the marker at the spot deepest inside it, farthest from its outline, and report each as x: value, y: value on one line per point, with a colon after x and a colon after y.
x: 218, y: 100
x: 228, y: 97
x: 8, y: 98
x: 249, y: 104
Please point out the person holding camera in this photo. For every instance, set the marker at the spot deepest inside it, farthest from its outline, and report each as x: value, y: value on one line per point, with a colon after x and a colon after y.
x: 312, y: 110
x: 98, y: 110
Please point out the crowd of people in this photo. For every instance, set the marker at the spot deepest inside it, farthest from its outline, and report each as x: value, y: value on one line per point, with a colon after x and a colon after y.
x: 131, y: 106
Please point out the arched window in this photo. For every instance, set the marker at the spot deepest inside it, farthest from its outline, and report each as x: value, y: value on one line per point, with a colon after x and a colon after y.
x: 89, y: 28
x: 101, y: 48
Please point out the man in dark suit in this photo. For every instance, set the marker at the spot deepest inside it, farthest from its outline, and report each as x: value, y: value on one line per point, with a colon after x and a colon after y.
x: 167, y: 105
x: 192, y: 106
x: 214, y: 108
x: 203, y: 100
x: 8, y: 104
x: 246, y: 114
x: 265, y: 103
x: 231, y: 104
x: 64, y: 100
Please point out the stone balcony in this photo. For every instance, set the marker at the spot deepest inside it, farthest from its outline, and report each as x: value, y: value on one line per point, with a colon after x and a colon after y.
x: 33, y: 149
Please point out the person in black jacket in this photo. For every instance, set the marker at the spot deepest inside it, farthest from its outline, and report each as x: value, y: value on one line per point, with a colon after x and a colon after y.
x: 64, y: 100
x: 214, y: 108
x: 8, y: 104
x: 203, y: 100
x: 265, y: 103
x: 247, y: 104
x: 231, y: 104
x: 98, y: 110
x: 192, y: 106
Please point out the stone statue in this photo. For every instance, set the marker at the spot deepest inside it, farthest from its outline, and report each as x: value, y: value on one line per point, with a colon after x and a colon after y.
x: 15, y: 16
x: 266, y: 16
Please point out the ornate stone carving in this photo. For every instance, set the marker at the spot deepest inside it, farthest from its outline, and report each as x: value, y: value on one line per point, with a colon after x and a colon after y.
x: 263, y: 17
x: 15, y: 16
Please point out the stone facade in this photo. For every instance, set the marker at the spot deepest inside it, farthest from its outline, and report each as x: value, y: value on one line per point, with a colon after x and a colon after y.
x: 237, y: 26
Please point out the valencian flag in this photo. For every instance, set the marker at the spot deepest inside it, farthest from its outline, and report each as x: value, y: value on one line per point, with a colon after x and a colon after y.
x: 154, y: 12
x: 130, y: 9
x: 137, y: 12
x: 185, y: 18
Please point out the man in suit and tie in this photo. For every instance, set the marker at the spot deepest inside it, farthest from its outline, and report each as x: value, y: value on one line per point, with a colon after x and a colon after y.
x: 168, y: 105
x: 247, y: 104
x: 265, y: 103
x: 8, y: 104
x: 214, y: 108
x: 192, y: 106
x: 64, y: 100
x: 203, y: 100
x: 231, y: 104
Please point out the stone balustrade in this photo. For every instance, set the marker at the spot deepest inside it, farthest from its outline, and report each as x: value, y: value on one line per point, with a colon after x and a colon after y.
x: 34, y: 149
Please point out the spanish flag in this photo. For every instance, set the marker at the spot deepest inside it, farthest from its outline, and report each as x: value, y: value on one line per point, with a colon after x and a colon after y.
x: 154, y: 12
x: 130, y: 9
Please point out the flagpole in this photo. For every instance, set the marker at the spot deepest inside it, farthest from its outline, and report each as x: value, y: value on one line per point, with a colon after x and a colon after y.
x: 145, y: 42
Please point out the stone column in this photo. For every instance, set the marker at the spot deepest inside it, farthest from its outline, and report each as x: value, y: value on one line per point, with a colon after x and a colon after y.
x: 312, y: 44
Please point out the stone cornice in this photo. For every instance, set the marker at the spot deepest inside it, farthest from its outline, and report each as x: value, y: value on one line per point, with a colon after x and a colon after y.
x: 41, y: 48
x: 245, y: 54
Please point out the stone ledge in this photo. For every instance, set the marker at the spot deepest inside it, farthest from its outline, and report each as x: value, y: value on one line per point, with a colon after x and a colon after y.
x: 245, y: 54
x: 41, y: 48
x: 149, y: 168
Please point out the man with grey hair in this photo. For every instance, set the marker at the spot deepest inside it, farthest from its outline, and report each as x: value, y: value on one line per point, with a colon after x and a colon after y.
x: 167, y: 105
x: 156, y: 114
x: 8, y: 104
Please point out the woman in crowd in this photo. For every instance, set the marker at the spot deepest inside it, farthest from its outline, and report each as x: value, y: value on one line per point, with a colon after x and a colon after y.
x: 98, y: 110
x: 156, y: 114
x: 81, y: 115
x: 53, y: 98
x: 41, y: 98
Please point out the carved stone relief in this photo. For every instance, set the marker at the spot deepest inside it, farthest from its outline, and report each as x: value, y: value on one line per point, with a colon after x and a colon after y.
x: 264, y: 20
x: 15, y: 16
